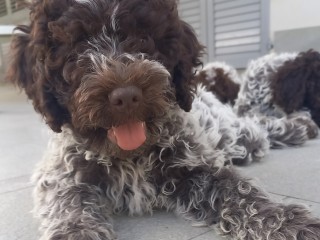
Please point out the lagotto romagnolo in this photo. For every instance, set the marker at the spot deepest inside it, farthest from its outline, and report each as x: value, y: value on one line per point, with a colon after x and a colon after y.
x: 283, y: 88
x: 264, y: 90
x: 112, y: 79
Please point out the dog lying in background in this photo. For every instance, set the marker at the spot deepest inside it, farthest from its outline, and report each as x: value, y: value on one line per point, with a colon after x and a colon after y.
x: 112, y: 79
x: 253, y: 96
x: 283, y: 86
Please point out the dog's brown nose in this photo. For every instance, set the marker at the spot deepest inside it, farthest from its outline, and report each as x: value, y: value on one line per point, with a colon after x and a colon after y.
x: 125, y: 98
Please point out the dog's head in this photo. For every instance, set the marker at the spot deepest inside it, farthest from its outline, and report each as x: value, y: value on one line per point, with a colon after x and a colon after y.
x: 105, y: 68
x: 221, y: 79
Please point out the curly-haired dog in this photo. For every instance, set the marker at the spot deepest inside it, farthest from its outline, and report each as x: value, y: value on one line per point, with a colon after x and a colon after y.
x: 283, y: 89
x: 296, y: 84
x: 112, y: 78
x: 223, y: 81
x: 283, y: 130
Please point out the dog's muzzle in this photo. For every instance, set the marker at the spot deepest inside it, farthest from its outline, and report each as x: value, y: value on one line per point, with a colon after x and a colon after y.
x: 131, y: 135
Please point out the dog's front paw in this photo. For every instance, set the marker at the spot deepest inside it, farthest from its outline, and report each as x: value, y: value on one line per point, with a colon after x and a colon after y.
x: 300, y: 224
x: 304, y: 118
x: 256, y: 145
x: 310, y: 232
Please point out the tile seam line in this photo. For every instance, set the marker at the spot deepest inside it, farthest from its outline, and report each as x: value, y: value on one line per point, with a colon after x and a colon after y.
x: 210, y: 230
x: 283, y: 195
x: 14, y: 178
x: 16, y: 190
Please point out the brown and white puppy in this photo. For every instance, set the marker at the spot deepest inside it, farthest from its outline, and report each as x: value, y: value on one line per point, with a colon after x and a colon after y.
x: 112, y: 78
x: 283, y: 87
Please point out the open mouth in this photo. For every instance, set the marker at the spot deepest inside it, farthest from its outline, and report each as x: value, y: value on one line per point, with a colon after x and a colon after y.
x: 128, y: 136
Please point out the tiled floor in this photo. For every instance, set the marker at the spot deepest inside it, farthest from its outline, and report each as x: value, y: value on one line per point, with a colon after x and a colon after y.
x: 291, y: 175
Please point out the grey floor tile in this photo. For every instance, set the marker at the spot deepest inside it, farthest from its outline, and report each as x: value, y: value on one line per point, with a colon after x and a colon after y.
x: 16, y: 109
x: 23, y: 139
x: 160, y: 226
x: 210, y: 235
x: 10, y: 94
x: 20, y: 157
x: 292, y: 172
x: 16, y: 222
x: 14, y: 184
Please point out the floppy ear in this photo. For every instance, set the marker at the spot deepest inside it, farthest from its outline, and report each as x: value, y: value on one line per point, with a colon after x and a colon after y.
x: 183, y: 74
x: 289, y: 85
x: 27, y: 70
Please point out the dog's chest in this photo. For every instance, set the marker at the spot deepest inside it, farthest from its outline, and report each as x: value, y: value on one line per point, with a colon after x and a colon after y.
x: 129, y: 187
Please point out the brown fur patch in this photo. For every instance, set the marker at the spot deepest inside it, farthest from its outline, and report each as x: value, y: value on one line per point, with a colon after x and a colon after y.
x: 296, y: 84
x: 223, y: 88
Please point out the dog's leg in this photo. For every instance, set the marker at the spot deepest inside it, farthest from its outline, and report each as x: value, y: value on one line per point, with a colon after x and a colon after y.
x: 286, y: 131
x: 253, y: 138
x: 70, y: 205
x: 248, y: 132
x: 305, y: 119
x: 240, y: 210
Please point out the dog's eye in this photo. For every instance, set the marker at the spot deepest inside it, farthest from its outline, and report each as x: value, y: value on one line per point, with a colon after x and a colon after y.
x: 143, y: 40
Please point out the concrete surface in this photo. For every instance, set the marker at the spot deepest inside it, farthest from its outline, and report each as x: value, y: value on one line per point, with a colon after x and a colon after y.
x: 290, y: 175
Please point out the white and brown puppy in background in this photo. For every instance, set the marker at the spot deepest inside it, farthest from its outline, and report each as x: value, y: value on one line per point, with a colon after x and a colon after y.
x: 251, y: 95
x: 284, y: 89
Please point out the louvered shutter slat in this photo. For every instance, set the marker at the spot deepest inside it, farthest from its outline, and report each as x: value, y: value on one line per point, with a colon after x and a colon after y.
x: 3, y: 8
x: 238, y: 18
x: 16, y: 5
x: 237, y: 34
x: 239, y: 30
x: 192, y: 12
x: 237, y: 11
x: 188, y: 5
x: 238, y: 49
x: 232, y: 4
x: 238, y: 26
x: 4, y: 51
x: 238, y: 41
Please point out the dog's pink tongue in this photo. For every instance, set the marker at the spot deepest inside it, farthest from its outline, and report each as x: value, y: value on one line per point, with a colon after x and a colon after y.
x: 130, y: 136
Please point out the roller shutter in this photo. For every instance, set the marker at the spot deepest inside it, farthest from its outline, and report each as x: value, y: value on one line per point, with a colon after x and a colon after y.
x: 234, y: 31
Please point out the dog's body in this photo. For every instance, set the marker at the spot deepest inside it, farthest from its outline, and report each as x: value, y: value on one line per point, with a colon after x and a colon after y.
x: 112, y: 78
x: 259, y: 95
x: 186, y: 171
x: 253, y: 97
x: 72, y: 179
x: 256, y: 94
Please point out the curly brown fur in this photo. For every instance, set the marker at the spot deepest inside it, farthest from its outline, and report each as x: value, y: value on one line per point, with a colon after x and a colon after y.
x: 46, y: 58
x: 105, y: 71
x: 221, y: 80
x: 296, y: 84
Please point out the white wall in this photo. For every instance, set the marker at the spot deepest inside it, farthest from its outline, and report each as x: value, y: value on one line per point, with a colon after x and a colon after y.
x: 6, y: 29
x: 292, y: 14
